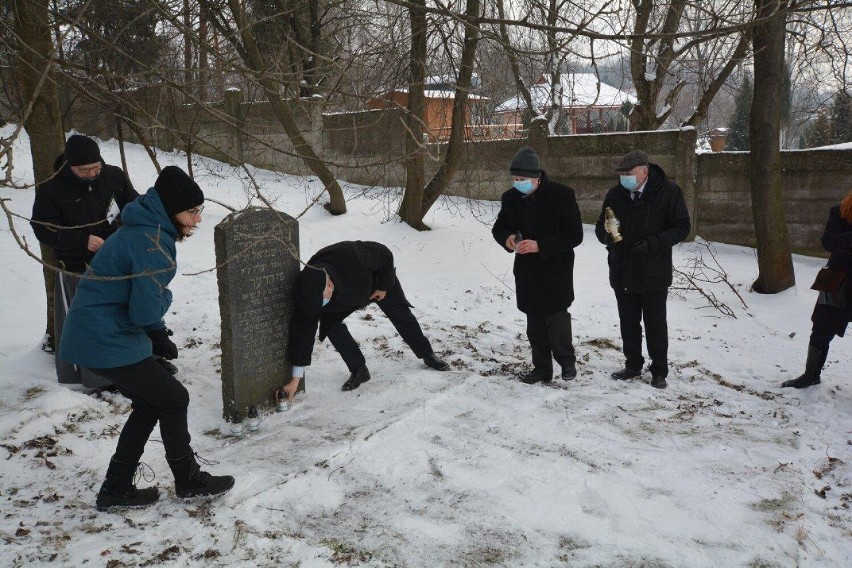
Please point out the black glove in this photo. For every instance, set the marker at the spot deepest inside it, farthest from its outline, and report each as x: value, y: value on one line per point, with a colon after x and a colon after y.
x: 640, y: 247
x: 161, y: 345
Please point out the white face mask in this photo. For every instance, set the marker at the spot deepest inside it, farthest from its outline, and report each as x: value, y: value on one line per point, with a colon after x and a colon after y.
x: 325, y: 301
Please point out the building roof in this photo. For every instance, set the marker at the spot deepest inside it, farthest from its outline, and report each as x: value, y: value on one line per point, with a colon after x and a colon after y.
x: 578, y: 90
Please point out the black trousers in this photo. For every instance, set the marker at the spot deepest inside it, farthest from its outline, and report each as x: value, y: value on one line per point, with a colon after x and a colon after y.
x: 550, y: 334
x: 828, y: 321
x: 402, y: 319
x: 632, y: 310
x: 156, y: 396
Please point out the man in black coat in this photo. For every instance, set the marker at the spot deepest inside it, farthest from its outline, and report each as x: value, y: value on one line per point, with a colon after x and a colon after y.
x: 337, y: 281
x: 86, y: 195
x: 73, y: 213
x: 539, y: 222
x: 653, y: 218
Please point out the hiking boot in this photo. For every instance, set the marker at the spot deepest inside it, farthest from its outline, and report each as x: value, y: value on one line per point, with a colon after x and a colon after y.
x: 568, y: 372
x: 433, y: 362
x: 191, y: 481
x: 626, y: 374
x: 813, y: 370
x: 118, y: 493
x: 537, y: 376
x: 362, y: 375
x: 658, y: 381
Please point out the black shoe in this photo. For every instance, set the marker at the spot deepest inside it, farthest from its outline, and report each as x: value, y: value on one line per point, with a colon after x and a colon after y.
x: 131, y: 498
x: 658, y: 382
x: 433, y: 362
x: 537, y: 376
x: 626, y: 374
x: 362, y: 375
x: 191, y: 481
x: 802, y: 381
x: 168, y: 365
x: 568, y: 372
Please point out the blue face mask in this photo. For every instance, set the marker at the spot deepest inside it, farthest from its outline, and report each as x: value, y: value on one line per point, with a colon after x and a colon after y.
x: 628, y: 182
x: 525, y: 186
x: 325, y: 301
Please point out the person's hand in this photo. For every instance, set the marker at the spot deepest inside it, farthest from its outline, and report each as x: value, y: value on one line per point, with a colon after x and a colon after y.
x: 378, y: 295
x: 161, y: 345
x: 510, y: 242
x: 291, y: 388
x: 94, y: 243
x: 640, y: 247
x: 526, y: 246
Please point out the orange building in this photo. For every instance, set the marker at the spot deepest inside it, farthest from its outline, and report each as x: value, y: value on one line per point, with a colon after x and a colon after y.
x: 439, y: 111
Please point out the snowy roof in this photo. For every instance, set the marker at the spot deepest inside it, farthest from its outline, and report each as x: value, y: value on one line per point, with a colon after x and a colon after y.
x: 578, y: 90
x: 434, y: 94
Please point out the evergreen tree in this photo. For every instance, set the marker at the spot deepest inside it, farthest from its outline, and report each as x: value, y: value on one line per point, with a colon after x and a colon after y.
x: 841, y: 118
x: 738, y: 136
x: 819, y: 131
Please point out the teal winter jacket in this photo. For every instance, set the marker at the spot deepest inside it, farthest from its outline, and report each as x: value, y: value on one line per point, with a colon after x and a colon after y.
x: 108, y: 320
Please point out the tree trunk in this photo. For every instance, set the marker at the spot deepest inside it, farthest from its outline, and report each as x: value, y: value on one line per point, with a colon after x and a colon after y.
x: 775, y: 264
x: 42, y: 120
x: 411, y: 209
x: 442, y: 178
x: 246, y: 45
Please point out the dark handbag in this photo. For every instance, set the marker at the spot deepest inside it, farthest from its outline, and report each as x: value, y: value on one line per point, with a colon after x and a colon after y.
x: 828, y: 280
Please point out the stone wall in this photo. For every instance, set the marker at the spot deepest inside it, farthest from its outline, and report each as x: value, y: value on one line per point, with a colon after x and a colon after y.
x: 814, y: 180
x: 368, y: 148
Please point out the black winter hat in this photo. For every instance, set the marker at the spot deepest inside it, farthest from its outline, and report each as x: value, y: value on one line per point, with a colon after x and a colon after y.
x: 631, y: 160
x: 310, y: 284
x: 177, y: 190
x: 81, y: 150
x: 525, y: 163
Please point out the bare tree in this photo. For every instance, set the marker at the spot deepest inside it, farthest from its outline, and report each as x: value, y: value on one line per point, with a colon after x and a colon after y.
x: 34, y: 60
x: 774, y: 257
x: 235, y: 26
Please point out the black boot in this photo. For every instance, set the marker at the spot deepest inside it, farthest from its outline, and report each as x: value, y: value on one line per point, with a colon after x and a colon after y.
x: 190, y: 481
x: 569, y: 371
x: 813, y: 370
x: 362, y: 375
x: 537, y: 376
x: 433, y: 362
x: 118, y: 492
x: 626, y: 374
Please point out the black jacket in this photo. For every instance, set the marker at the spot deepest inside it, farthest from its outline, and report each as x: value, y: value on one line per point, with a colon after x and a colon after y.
x: 837, y: 239
x: 544, y: 281
x: 66, y: 200
x: 660, y: 217
x: 357, y: 268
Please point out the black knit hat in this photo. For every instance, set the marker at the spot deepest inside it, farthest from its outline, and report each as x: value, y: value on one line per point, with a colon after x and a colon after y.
x: 310, y: 285
x: 631, y: 160
x: 525, y: 163
x: 81, y: 150
x: 177, y: 190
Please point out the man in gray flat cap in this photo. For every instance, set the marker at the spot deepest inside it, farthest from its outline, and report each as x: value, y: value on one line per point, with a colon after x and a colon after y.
x: 647, y: 217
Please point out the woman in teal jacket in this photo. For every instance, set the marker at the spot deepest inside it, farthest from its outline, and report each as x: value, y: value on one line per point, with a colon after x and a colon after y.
x: 114, y: 325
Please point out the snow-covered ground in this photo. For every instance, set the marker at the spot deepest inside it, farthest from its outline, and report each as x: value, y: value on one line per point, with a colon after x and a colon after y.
x: 467, y: 468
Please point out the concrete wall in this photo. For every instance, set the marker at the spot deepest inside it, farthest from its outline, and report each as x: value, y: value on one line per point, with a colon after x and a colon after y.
x: 368, y: 148
x: 814, y: 180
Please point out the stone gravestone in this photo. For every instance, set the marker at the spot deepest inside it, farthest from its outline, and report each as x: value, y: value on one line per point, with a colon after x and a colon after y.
x: 257, y: 252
